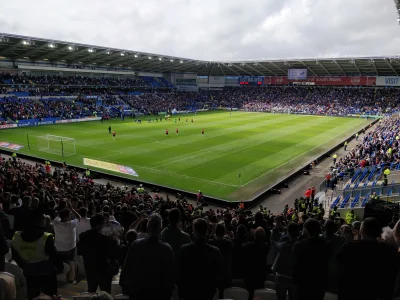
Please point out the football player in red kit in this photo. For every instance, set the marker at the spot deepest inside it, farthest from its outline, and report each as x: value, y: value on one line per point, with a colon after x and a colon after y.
x: 166, y: 132
x: 202, y: 132
x: 177, y: 131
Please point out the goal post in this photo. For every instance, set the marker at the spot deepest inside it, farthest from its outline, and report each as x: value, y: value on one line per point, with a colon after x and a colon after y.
x: 59, y: 145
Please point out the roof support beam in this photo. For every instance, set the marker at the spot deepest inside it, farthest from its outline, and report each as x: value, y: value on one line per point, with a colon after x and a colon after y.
x: 278, y: 67
x: 267, y: 69
x: 355, y: 64
x: 340, y: 67
x: 8, y: 49
x: 323, y: 67
x: 222, y: 71
x: 260, y: 73
x: 227, y: 66
x: 391, y: 67
x: 308, y: 68
x: 374, y: 66
x: 236, y: 66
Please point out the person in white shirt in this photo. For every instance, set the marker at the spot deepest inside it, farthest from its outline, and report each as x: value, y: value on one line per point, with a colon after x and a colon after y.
x: 84, y: 223
x: 65, y: 236
x: 112, y: 228
x: 82, y: 226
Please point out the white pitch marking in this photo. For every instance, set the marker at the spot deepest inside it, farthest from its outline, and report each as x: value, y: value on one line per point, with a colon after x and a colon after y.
x: 298, y: 156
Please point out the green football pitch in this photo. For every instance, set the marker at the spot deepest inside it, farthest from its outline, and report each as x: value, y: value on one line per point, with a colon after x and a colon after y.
x: 238, y: 156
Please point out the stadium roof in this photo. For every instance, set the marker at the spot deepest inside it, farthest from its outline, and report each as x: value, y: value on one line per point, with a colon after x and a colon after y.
x: 18, y: 47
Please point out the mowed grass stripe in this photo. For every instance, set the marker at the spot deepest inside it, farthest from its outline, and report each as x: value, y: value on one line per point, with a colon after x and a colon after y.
x: 250, y: 143
x: 235, y: 151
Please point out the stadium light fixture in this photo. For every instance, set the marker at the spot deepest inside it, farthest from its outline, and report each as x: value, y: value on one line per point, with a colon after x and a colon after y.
x: 136, y: 56
x: 52, y: 45
x: 91, y: 50
x: 181, y: 61
x: 108, y: 52
x: 4, y: 39
x: 27, y: 42
x: 122, y: 54
x: 159, y: 58
x: 171, y: 60
x: 149, y: 57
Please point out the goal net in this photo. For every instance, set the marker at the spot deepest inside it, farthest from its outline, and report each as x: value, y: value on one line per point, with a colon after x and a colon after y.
x: 58, y: 145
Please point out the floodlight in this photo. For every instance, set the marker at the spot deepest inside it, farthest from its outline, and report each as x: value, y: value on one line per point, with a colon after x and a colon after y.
x: 149, y: 57
x: 122, y: 54
x: 51, y: 45
x: 90, y: 50
x: 181, y: 62
x: 159, y: 58
x: 108, y: 52
x: 70, y: 48
x: 136, y: 56
x: 171, y: 60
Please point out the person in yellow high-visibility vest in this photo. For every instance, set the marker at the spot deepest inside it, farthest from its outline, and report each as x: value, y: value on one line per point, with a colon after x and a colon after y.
x: 87, y: 172
x: 14, y: 156
x: 334, y: 158
x: 34, y: 251
x: 350, y: 217
x: 345, y: 145
x: 386, y: 173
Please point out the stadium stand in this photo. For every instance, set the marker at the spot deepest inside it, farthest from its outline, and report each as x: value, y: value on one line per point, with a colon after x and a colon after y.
x: 116, y: 237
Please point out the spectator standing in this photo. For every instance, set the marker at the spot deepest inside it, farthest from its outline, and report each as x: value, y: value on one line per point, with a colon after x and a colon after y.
x: 3, y: 249
x: 21, y: 213
x: 99, y: 254
x: 226, y: 247
x: 84, y: 223
x: 65, y: 236
x: 255, y: 268
x: 312, y: 262
x: 337, y: 242
x: 200, y: 266
x: 148, y: 269
x: 284, y: 264
x: 174, y: 236
x: 376, y: 263
x: 34, y: 251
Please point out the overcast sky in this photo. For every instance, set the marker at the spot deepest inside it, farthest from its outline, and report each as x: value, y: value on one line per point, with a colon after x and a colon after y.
x: 214, y: 29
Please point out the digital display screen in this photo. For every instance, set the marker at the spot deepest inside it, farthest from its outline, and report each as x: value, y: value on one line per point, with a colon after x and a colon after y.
x: 297, y: 74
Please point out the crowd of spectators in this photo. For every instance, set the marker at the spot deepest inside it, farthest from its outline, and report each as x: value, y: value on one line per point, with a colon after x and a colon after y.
x: 78, y: 80
x: 160, y: 244
x: 324, y: 101
x: 379, y: 146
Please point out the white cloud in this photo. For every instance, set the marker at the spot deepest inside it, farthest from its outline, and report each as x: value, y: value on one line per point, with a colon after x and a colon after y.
x: 210, y: 29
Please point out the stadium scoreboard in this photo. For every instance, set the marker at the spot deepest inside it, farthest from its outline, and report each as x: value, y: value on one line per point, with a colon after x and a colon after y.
x: 251, y: 80
x: 297, y: 74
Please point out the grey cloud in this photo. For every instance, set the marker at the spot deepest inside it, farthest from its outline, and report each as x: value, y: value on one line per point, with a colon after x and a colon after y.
x: 209, y: 29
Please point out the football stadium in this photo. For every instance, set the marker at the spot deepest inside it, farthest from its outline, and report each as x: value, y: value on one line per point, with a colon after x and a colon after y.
x: 133, y: 175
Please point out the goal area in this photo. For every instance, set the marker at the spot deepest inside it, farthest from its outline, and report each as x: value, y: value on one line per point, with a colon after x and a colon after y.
x: 59, y: 145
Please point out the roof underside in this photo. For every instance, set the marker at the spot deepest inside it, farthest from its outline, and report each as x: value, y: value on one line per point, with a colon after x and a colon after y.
x: 17, y: 47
